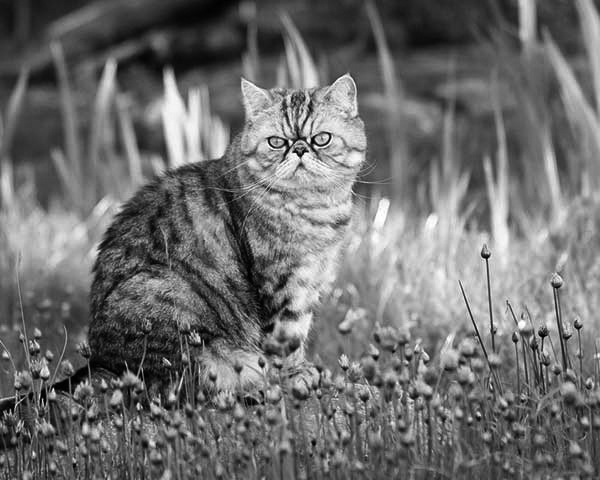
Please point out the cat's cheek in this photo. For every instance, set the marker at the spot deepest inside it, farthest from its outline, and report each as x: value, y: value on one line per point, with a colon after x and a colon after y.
x: 249, y: 144
x: 354, y: 159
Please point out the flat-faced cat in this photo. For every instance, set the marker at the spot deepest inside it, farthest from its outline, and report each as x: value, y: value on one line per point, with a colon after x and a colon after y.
x: 233, y: 249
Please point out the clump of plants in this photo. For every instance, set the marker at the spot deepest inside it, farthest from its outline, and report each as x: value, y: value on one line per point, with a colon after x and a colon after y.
x: 528, y: 408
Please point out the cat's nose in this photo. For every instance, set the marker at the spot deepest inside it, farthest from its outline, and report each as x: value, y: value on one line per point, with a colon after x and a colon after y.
x: 300, y: 148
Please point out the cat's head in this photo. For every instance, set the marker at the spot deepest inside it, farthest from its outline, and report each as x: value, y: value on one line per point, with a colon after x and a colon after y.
x: 298, y: 138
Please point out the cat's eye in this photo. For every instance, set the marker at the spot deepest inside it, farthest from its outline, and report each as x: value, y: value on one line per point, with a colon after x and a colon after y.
x: 276, y: 142
x: 321, y: 139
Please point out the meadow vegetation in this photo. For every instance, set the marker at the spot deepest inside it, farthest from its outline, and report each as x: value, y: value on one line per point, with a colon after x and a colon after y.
x: 438, y: 356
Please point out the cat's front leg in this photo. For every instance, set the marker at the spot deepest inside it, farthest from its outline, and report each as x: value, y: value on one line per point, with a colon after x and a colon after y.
x: 292, y: 326
x: 291, y: 332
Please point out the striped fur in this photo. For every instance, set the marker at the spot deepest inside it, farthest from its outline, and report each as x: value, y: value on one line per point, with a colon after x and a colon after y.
x: 234, y: 249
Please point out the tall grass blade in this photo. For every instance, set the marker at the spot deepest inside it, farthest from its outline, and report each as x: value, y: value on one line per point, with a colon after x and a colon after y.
x: 129, y: 140
x: 396, y: 134
x: 69, y: 182
x: 192, y: 132
x: 497, y: 185
x: 581, y: 116
x: 302, y: 70
x: 590, y: 26
x: 528, y: 23
x: 70, y: 121
x: 100, y: 121
x: 7, y: 133
x: 251, y: 57
x: 173, y: 113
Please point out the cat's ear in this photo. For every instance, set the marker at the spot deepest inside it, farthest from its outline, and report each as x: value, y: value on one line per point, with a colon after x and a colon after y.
x: 342, y: 92
x: 255, y: 99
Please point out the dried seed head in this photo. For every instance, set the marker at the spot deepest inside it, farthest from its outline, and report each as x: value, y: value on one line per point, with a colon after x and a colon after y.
x: 37, y: 333
x: 66, y: 368
x: 23, y: 380
x: 577, y: 323
x: 194, y: 339
x: 354, y: 372
x: 477, y: 365
x: 345, y: 326
x: 84, y: 349
x: 495, y: 360
x: 567, y: 332
x: 556, y: 281
x: 485, y: 252
x: 130, y: 380
x: 569, y: 393
x: 34, y: 347
x: 184, y: 326
x: 300, y: 390
x: 449, y: 359
x: 273, y: 394
x: 369, y: 368
x: 344, y: 362
x: 146, y: 326
x: 515, y: 337
x: 575, y: 451
x: 293, y: 344
x: 545, y: 358
x: 467, y: 347
x: 465, y: 375
x: 49, y: 356
x: 116, y: 399
x: 589, y: 383
x: 373, y: 351
x: 83, y: 391
x: 533, y: 343
x: 261, y: 362
x: 543, y: 331
x: 238, y: 412
x: 45, y: 372
x: 525, y: 328
x: 237, y: 366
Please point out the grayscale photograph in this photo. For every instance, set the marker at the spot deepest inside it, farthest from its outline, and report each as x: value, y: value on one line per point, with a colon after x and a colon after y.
x: 299, y: 239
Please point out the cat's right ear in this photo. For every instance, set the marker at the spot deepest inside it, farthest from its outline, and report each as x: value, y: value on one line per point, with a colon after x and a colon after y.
x: 255, y: 99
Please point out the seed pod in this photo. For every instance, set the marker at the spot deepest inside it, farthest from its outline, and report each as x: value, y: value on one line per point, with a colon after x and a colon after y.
x: 556, y: 281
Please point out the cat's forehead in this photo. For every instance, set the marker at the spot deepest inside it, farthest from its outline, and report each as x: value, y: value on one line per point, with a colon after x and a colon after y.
x: 292, y: 96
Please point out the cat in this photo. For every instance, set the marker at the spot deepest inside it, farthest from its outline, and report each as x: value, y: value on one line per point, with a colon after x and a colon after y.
x: 235, y: 250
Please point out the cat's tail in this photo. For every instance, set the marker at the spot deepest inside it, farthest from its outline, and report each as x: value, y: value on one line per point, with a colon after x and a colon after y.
x: 20, y: 408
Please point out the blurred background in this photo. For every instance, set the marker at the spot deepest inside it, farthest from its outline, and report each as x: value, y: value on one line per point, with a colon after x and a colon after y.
x: 482, y: 119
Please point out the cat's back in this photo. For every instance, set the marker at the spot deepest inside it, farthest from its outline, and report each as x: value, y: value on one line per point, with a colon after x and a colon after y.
x: 167, y: 220
x: 175, y: 197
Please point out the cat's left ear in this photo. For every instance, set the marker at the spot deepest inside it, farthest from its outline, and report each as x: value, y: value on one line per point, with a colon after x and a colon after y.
x: 343, y: 93
x: 255, y: 99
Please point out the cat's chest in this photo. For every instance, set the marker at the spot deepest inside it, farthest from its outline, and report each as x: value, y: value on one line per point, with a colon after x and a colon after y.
x: 297, y: 282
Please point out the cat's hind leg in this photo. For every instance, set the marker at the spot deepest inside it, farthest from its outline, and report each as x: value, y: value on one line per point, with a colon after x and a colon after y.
x: 149, y: 321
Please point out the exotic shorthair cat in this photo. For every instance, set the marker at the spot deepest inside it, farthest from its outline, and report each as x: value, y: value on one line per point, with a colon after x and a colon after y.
x: 234, y: 249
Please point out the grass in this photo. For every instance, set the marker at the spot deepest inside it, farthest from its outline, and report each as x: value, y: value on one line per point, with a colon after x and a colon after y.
x: 420, y: 376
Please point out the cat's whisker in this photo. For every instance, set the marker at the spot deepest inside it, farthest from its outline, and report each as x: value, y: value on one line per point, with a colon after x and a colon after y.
x: 235, y: 167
